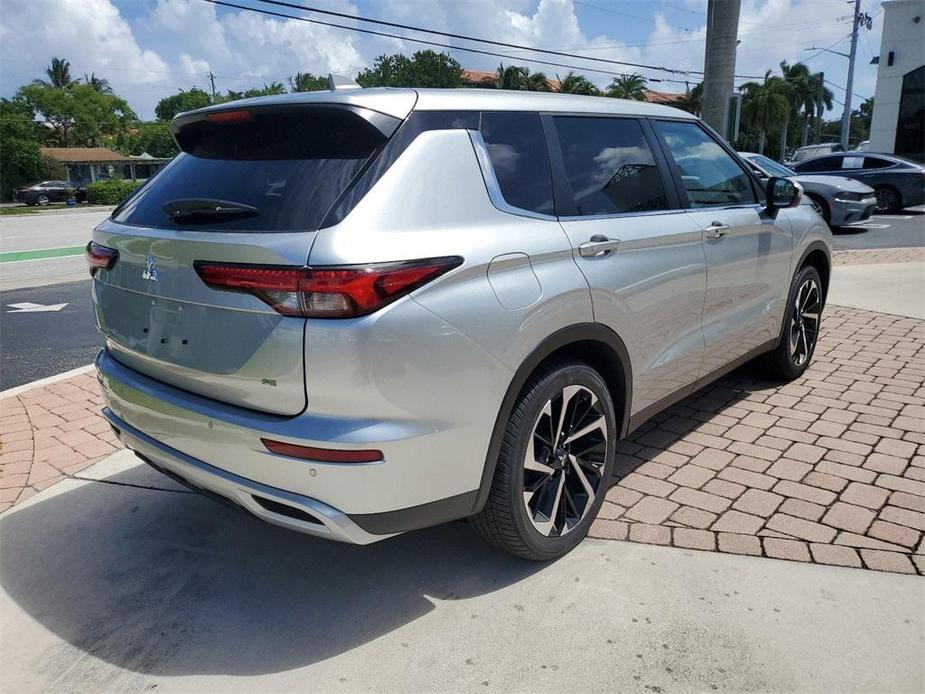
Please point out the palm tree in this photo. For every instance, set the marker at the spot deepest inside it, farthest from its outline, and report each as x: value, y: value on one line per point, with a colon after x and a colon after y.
x: 59, y: 75
x: 628, y: 87
x: 823, y: 101
x: 577, y: 84
x: 765, y: 106
x: 99, y: 84
x: 510, y: 77
x: 802, y: 99
x: 693, y: 99
x: 535, y: 81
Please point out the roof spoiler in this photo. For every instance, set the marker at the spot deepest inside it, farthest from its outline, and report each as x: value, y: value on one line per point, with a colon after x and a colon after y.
x: 337, y: 83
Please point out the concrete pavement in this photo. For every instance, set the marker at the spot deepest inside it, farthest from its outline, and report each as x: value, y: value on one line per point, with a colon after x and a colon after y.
x: 108, y: 587
x: 897, y: 288
x: 131, y: 583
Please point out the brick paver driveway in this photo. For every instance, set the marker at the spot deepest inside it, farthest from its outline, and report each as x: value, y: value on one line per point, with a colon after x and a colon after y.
x: 830, y: 468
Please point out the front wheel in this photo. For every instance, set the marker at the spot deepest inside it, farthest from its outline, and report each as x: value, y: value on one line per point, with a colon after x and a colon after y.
x: 802, y: 321
x: 42, y: 200
x: 555, y: 460
x: 821, y: 208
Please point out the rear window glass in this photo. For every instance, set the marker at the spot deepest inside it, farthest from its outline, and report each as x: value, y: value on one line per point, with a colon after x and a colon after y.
x: 517, y: 149
x: 286, y: 169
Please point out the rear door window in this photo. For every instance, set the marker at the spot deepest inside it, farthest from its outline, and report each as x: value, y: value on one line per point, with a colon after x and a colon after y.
x: 820, y: 164
x: 609, y: 165
x: 277, y: 170
x: 517, y: 149
x: 708, y: 173
x: 876, y: 163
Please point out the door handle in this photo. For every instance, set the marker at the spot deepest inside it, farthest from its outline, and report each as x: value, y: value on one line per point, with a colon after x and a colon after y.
x: 598, y: 246
x: 716, y: 230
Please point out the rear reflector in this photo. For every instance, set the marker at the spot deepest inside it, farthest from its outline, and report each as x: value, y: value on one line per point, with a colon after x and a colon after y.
x: 100, y: 257
x: 237, y: 116
x: 326, y: 291
x: 322, y: 455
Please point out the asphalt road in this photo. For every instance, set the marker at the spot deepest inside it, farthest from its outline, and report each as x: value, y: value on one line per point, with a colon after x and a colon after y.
x: 40, y: 344
x: 904, y: 229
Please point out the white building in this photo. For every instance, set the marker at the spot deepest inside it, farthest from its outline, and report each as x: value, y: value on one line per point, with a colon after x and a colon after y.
x: 898, y: 123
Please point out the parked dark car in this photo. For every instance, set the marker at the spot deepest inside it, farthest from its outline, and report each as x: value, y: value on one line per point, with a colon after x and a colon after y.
x: 897, y: 182
x: 48, y: 191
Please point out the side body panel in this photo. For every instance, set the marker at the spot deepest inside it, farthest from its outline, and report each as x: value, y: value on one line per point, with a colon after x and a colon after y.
x: 649, y: 291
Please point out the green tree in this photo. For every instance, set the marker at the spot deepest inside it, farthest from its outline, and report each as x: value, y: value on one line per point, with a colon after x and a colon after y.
x: 307, y: 82
x: 59, y: 75
x: 100, y: 84
x: 765, y: 106
x: 519, y: 78
x: 693, y: 99
x: 863, y: 115
x: 577, y: 84
x: 154, y: 138
x: 170, y: 106
x: 78, y: 115
x: 266, y: 90
x: 20, y: 158
x: 628, y: 87
x: 823, y: 98
x: 423, y: 69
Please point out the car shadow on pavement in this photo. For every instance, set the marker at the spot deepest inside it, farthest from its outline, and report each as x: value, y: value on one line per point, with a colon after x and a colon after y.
x: 171, y: 583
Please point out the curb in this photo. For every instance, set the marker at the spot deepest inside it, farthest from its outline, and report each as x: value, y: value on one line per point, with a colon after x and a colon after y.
x: 17, y: 390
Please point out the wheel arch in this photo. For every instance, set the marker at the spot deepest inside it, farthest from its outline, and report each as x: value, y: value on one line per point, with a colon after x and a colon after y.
x: 593, y: 343
x: 818, y: 255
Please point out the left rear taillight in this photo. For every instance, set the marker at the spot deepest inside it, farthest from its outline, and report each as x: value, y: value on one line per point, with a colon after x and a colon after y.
x: 100, y: 257
x: 326, y: 291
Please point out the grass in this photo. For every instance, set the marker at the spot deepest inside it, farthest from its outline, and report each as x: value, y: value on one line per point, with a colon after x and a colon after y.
x: 25, y: 209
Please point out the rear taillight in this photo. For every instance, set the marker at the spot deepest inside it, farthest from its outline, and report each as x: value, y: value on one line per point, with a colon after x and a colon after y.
x: 327, y: 291
x: 100, y: 257
x: 323, y: 455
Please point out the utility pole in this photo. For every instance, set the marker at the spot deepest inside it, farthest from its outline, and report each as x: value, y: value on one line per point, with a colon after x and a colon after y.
x: 719, y: 61
x: 846, y: 115
x: 212, y: 82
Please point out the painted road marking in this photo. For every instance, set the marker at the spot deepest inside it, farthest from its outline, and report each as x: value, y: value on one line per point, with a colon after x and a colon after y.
x: 894, y: 216
x: 29, y: 307
x: 19, y: 256
x: 868, y: 225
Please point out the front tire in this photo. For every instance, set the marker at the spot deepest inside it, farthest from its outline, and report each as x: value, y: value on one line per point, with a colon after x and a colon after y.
x: 556, y: 458
x: 42, y: 200
x: 802, y: 322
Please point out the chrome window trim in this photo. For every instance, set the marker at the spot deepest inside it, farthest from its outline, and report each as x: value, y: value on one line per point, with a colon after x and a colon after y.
x: 492, y: 185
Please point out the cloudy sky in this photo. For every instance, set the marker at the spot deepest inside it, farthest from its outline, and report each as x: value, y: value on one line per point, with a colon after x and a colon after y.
x: 149, y: 49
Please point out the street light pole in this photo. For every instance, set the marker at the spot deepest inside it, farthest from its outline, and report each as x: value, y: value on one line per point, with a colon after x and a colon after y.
x: 846, y: 115
x: 719, y: 61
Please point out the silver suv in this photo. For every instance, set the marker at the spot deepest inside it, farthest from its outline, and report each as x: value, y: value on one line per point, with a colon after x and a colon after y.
x: 360, y: 312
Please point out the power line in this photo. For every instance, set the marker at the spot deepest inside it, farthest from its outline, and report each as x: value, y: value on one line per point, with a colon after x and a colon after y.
x: 447, y: 34
x: 224, y: 3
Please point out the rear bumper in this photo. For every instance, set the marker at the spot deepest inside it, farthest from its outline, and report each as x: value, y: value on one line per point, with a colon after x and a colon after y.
x: 217, y: 447
x: 275, y: 506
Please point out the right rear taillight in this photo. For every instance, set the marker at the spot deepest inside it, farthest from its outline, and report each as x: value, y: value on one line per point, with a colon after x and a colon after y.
x: 326, y: 291
x: 100, y: 257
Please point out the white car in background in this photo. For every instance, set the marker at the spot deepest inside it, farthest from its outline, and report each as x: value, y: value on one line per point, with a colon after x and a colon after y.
x: 838, y: 200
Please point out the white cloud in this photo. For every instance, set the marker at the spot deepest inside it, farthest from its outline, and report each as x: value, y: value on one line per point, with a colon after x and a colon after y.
x: 175, y: 43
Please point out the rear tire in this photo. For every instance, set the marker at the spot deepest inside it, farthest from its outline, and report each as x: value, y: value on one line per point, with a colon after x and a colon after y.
x: 802, y: 322
x: 888, y: 199
x: 553, y: 469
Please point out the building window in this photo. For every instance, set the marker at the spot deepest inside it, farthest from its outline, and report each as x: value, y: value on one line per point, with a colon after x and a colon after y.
x: 910, y: 124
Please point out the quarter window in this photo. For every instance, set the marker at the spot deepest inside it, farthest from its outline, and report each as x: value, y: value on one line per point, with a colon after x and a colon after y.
x: 517, y: 149
x: 876, y: 163
x: 609, y: 165
x: 709, y: 174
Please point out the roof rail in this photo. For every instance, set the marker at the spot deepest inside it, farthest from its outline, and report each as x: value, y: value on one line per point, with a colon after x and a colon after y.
x: 338, y: 83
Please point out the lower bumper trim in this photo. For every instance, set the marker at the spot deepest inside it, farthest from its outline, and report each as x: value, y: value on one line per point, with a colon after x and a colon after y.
x: 276, y: 506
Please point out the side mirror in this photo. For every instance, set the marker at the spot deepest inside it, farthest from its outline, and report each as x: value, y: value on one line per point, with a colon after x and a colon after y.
x: 783, y: 193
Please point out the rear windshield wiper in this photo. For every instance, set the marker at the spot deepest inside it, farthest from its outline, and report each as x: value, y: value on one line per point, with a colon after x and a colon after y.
x: 207, y: 207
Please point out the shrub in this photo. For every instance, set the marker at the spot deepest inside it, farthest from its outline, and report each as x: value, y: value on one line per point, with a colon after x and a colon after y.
x: 110, y: 192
